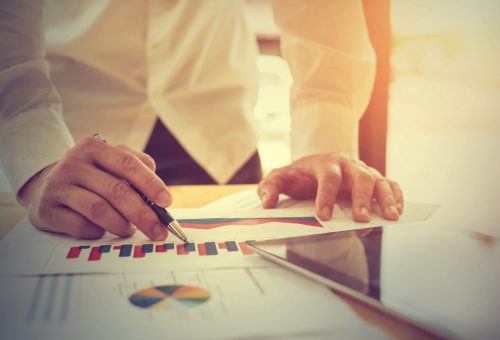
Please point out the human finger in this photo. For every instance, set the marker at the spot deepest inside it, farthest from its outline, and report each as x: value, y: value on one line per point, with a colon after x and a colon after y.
x: 144, y: 157
x: 127, y: 166
x: 329, y: 181
x: 385, y: 198
x: 66, y: 221
x: 362, y: 185
x: 125, y: 200
x: 95, y: 209
x: 398, y: 196
x: 269, y: 189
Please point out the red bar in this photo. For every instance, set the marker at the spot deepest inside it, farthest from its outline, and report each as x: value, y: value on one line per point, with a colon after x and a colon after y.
x: 117, y: 247
x: 159, y: 248
x: 95, y: 254
x: 74, y: 253
x: 181, y: 250
x: 138, y: 251
x: 222, y: 245
x: 202, y: 251
x: 244, y: 248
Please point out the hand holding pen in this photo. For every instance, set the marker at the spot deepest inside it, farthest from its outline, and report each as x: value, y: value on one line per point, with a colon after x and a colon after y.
x: 89, y: 191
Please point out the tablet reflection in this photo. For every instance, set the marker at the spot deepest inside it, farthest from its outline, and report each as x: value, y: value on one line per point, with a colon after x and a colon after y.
x: 351, y: 258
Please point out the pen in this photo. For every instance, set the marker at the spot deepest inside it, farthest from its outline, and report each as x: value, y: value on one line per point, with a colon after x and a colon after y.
x: 163, y: 215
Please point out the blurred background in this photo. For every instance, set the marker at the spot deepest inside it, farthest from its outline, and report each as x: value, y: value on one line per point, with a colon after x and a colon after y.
x: 437, y: 96
x: 443, y: 102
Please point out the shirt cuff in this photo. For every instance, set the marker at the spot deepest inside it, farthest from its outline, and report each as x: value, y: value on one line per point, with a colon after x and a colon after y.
x: 30, y: 141
x: 323, y: 127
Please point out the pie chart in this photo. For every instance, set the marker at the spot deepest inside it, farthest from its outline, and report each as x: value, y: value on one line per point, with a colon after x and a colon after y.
x: 169, y: 297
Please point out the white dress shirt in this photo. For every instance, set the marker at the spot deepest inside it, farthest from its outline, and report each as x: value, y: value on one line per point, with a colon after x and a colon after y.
x: 69, y: 69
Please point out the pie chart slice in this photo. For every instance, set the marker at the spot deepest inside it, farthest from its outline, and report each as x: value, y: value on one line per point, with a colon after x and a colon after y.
x: 169, y: 297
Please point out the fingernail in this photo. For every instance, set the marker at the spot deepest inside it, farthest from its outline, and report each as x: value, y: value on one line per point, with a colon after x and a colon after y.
x: 131, y: 230
x: 164, y: 199
x: 392, y: 210
x: 159, y: 232
x: 364, y: 211
x: 326, y: 211
x: 400, y: 207
x: 265, y: 197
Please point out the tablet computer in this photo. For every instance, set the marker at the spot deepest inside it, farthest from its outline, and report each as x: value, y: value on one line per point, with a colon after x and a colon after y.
x: 442, y: 280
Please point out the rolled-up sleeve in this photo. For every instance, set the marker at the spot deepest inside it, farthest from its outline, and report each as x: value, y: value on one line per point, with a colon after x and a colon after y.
x: 32, y: 130
x: 332, y: 62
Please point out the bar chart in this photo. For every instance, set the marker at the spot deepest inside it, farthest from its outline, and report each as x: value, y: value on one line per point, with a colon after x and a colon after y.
x: 96, y: 252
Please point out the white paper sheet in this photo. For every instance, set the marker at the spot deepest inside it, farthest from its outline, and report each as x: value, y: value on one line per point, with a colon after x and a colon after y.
x: 266, y: 302
x: 248, y: 199
x: 218, y: 244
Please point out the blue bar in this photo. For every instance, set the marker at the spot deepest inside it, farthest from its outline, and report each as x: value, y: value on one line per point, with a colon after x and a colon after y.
x: 125, y: 250
x: 231, y: 246
x: 210, y: 248
x: 189, y: 247
x: 105, y: 248
x: 147, y: 248
x: 168, y: 246
x: 84, y: 247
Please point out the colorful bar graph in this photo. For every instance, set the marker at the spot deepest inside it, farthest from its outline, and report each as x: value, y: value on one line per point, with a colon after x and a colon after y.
x: 140, y: 250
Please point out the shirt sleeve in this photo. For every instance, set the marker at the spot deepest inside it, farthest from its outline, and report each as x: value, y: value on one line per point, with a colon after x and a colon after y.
x: 32, y: 130
x: 332, y: 62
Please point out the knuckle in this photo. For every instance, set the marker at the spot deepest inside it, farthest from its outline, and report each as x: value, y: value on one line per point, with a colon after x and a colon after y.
x: 68, y: 165
x: 388, y: 198
x: 129, y: 163
x: 88, y: 143
x: 148, y: 161
x: 365, y: 176
x: 335, y: 157
x: 97, y: 208
x: 119, y: 189
x: 332, y: 177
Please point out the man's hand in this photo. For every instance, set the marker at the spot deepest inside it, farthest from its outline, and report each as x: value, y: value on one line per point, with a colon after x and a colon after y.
x: 324, y: 176
x: 88, y: 192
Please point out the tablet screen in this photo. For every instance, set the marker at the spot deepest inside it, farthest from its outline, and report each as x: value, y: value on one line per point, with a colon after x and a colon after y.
x: 448, y: 280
